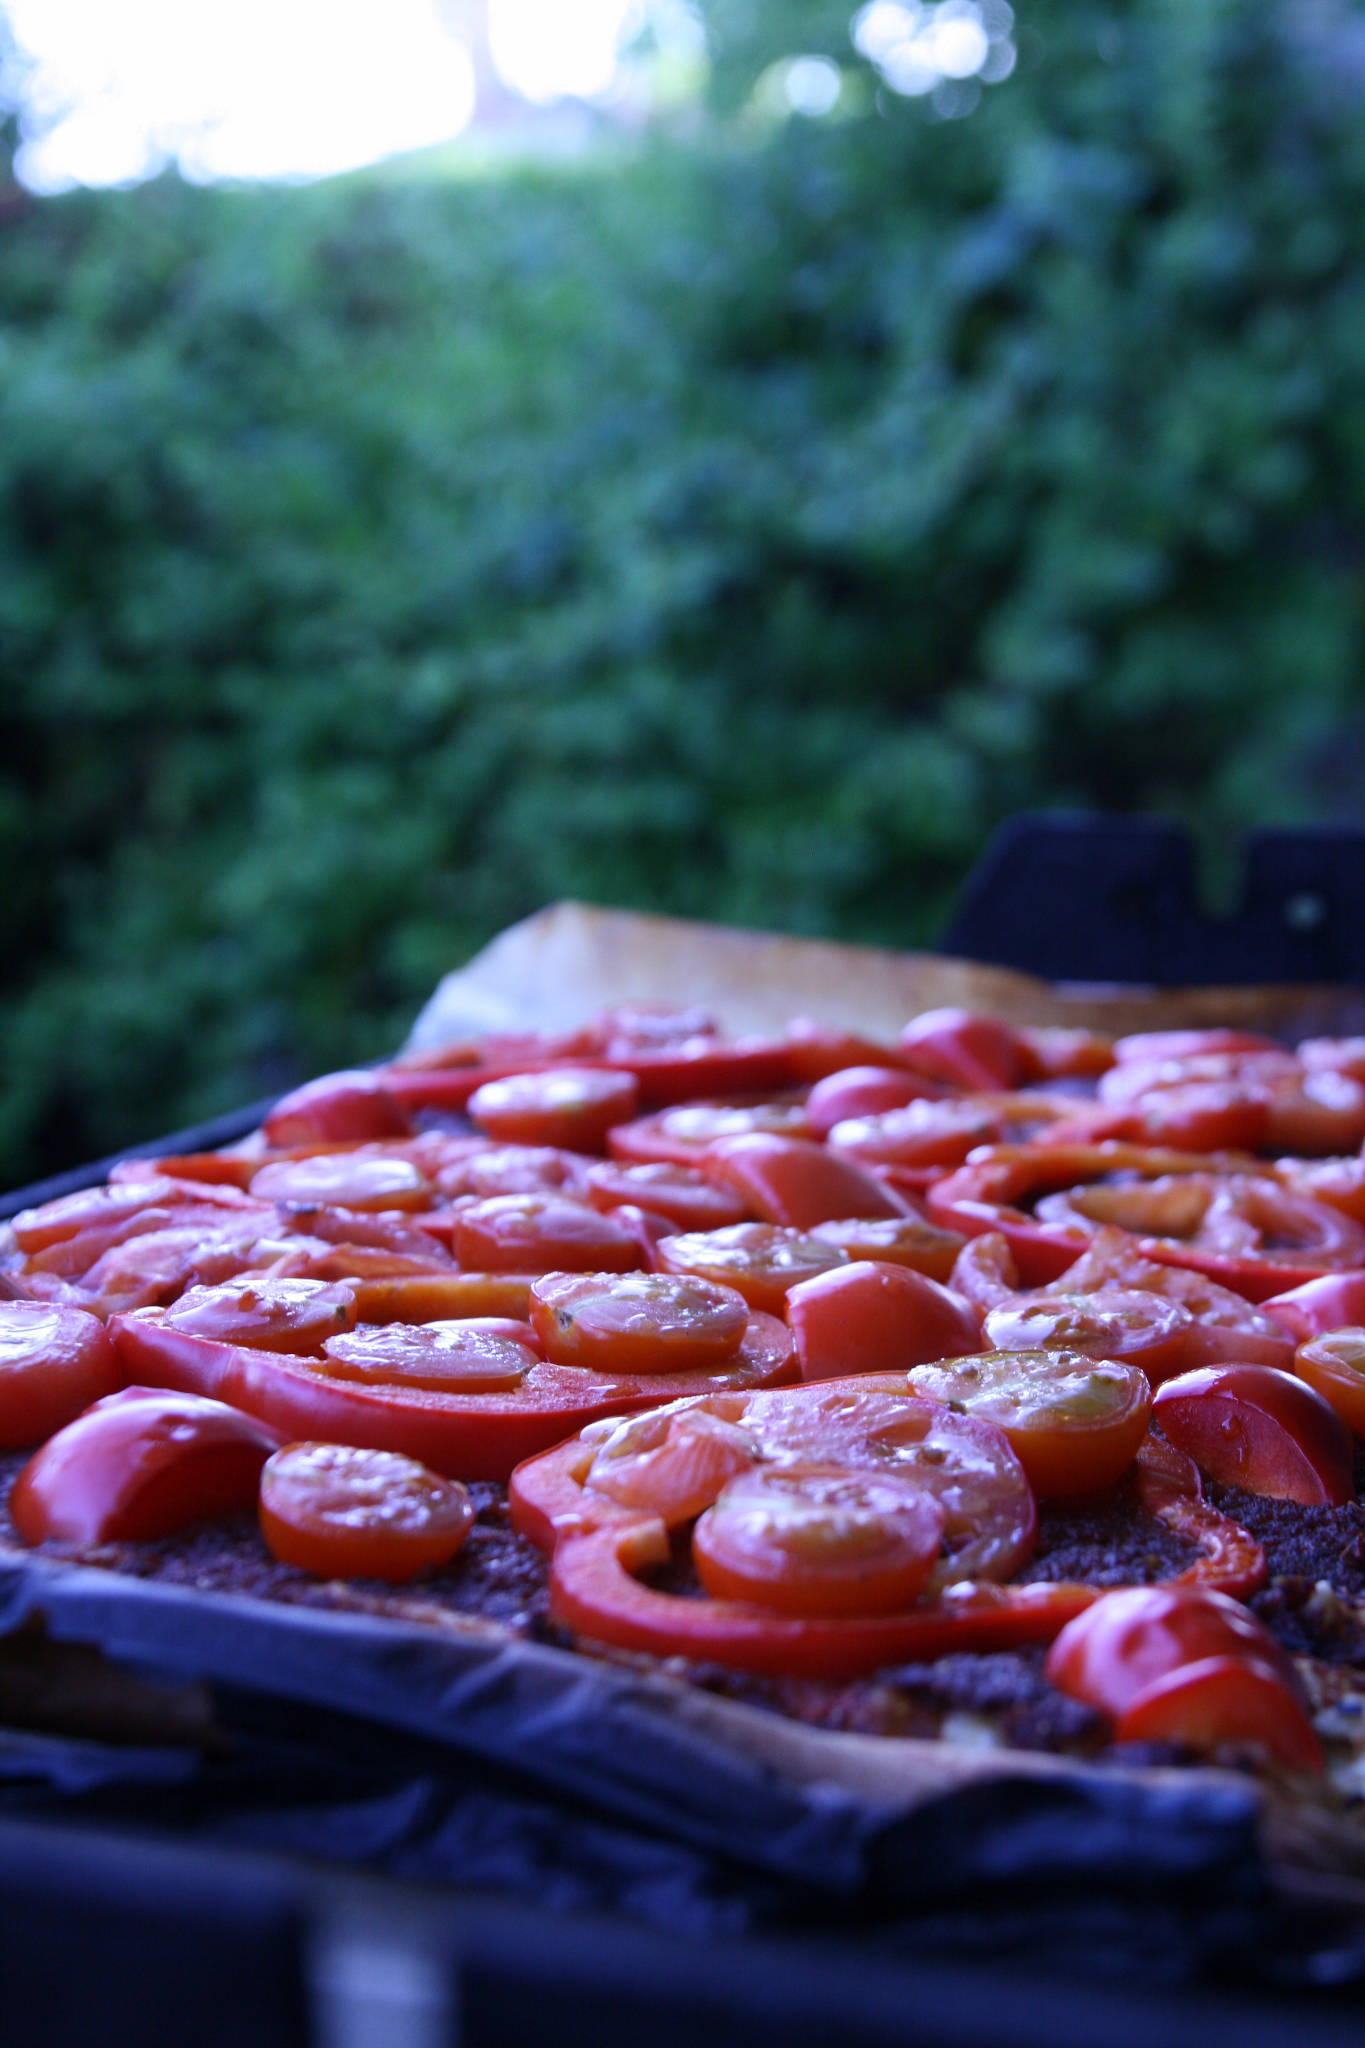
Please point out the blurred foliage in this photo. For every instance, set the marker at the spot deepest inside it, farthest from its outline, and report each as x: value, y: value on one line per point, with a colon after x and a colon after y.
x: 736, y: 526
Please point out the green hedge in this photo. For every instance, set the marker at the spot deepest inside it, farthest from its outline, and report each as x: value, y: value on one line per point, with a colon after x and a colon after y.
x: 737, y: 525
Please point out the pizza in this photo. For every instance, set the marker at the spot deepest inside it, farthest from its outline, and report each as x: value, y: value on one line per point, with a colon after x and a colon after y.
x: 988, y: 1387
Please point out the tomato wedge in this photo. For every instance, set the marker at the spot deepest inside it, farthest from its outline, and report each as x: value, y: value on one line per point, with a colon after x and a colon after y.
x: 140, y: 1464
x: 340, y: 1512
x: 869, y: 1317
x: 796, y: 1183
x: 1251, y: 1426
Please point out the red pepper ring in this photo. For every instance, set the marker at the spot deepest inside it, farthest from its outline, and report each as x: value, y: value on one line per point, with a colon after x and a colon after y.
x: 987, y: 1194
x: 596, y: 1591
x: 467, y: 1436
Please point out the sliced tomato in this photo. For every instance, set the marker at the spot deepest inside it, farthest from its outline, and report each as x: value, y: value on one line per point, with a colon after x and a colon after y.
x: 1057, y: 1052
x: 1141, y: 1328
x: 817, y: 1051
x: 514, y: 1170
x: 1251, y: 1426
x: 876, y: 1317
x: 541, y: 1233
x: 140, y: 1464
x: 345, y: 1180
x: 794, y: 1182
x: 683, y: 1135
x: 686, y: 1197
x: 573, y: 1107
x: 444, y: 1357
x: 341, y: 1512
x: 816, y: 1540
x: 763, y: 1260
x: 355, y: 1104
x: 1226, y: 1700
x: 1074, y: 1422
x: 921, y: 1134
x: 672, y: 1462
x: 637, y: 1322
x: 896, y: 1241
x: 271, y: 1315
x: 54, y: 1361
x: 1191, y: 1044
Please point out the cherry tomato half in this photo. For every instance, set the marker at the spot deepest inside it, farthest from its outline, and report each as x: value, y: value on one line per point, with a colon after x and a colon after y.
x: 54, y: 1361
x: 1073, y: 1422
x: 346, y: 1513
x: 637, y: 1322
x: 813, y: 1539
x: 570, y: 1106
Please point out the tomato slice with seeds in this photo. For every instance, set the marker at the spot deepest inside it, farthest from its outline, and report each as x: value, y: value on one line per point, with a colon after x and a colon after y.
x: 514, y: 1170
x: 341, y: 1512
x: 637, y: 1322
x: 896, y: 1241
x: 686, y: 1197
x: 682, y: 1135
x: 1074, y: 1422
x: 763, y: 1260
x: 448, y: 1358
x: 54, y: 1361
x: 573, y: 1107
x: 541, y: 1233
x: 814, y: 1539
x: 270, y: 1315
x: 1142, y: 1328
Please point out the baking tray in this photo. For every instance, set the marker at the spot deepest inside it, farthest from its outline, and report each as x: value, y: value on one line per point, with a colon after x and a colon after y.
x: 784, y: 1824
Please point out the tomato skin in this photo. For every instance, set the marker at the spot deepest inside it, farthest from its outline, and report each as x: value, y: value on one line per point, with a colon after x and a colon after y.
x: 54, y: 1361
x: 354, y: 1104
x: 340, y: 1512
x: 1251, y: 1426
x: 964, y: 1047
x: 1179, y: 1665
x: 795, y: 1183
x: 573, y: 1107
x: 871, y: 1316
x: 140, y: 1464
